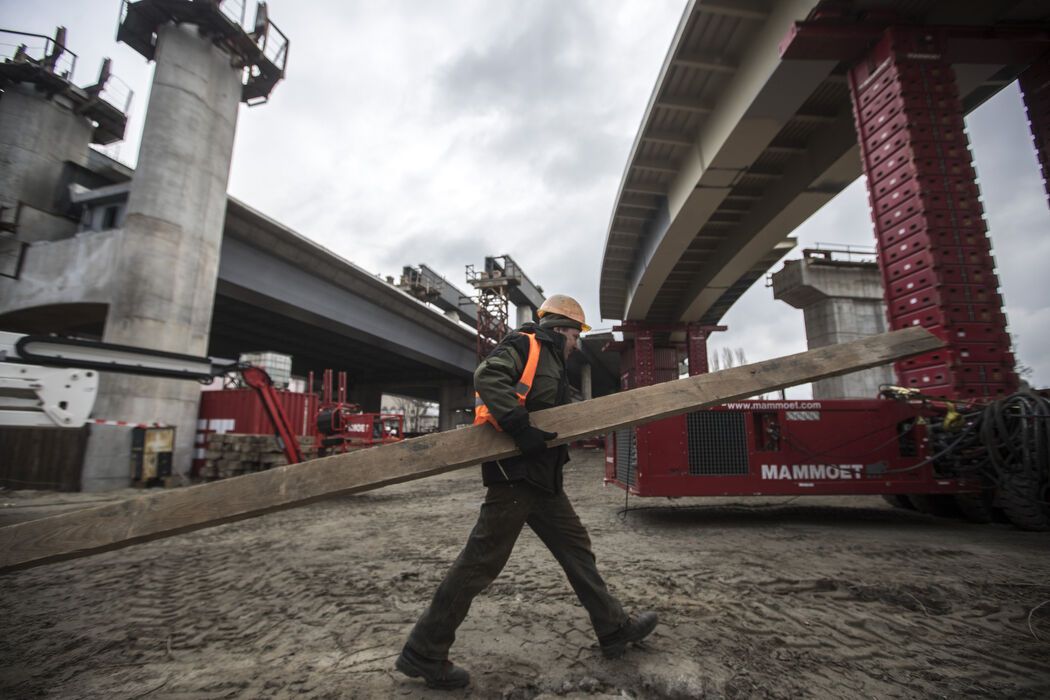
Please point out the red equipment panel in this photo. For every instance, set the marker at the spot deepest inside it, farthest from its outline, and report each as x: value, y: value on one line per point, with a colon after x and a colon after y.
x: 349, y: 430
x: 752, y: 448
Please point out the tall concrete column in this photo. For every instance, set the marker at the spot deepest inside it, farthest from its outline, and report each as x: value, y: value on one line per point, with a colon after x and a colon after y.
x: 841, y: 301
x: 455, y: 395
x: 585, y: 382
x: 368, y: 396
x: 525, y: 314
x: 169, y: 254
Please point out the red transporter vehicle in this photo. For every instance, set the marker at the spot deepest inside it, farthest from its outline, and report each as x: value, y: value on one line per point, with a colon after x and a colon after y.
x: 344, y: 427
x: 979, y: 459
x: 786, y: 448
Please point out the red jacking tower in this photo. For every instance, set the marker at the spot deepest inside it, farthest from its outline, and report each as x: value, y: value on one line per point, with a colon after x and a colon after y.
x: 933, y: 247
x: 934, y: 252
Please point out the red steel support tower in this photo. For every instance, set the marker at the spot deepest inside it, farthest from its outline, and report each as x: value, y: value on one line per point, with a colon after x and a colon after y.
x: 644, y: 361
x: 933, y: 247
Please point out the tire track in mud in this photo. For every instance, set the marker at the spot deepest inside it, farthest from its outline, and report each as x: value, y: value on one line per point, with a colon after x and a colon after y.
x: 783, y: 624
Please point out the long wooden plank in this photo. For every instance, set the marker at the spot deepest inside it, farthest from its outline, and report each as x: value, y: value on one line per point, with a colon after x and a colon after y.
x: 167, y: 513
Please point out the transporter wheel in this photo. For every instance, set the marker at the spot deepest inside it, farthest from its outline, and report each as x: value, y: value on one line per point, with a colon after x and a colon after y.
x: 1024, y: 498
x: 976, y: 507
x: 939, y: 504
x: 898, y: 501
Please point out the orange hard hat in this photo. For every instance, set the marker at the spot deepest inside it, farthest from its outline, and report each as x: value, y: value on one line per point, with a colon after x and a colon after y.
x: 564, y: 306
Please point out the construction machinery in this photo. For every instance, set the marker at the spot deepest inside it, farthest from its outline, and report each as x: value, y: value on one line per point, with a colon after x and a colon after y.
x: 344, y: 426
x: 51, y: 381
x: 427, y: 285
x: 985, y: 458
x: 501, y: 282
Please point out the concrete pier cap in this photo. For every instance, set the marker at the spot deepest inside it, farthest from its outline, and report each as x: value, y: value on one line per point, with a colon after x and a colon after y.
x: 47, y: 122
x: 840, y: 294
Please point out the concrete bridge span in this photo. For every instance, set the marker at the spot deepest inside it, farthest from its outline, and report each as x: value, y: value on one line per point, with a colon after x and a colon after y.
x: 276, y: 291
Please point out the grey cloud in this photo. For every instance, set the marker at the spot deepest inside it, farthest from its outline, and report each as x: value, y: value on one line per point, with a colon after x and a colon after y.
x: 529, y: 64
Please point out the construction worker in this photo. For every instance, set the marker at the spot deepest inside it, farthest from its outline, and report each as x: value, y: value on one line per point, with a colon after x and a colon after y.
x: 524, y: 373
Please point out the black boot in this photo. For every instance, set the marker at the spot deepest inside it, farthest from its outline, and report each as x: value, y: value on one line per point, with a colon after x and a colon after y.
x: 443, y: 675
x: 635, y: 629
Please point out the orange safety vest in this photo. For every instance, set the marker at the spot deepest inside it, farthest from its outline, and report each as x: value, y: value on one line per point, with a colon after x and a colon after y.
x: 481, y: 411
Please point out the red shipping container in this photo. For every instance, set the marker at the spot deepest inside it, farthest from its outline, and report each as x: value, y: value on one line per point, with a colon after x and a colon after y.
x: 241, y: 411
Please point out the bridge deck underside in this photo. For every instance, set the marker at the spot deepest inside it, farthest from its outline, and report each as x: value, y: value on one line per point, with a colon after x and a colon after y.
x: 240, y: 326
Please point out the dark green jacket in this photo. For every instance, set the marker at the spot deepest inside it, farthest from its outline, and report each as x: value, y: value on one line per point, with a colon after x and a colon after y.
x: 495, y: 380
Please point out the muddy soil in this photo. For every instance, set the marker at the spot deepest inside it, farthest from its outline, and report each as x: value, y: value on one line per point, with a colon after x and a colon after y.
x: 758, y: 598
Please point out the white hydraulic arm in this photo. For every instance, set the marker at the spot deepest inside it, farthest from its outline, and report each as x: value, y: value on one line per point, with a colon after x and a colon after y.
x: 48, y: 381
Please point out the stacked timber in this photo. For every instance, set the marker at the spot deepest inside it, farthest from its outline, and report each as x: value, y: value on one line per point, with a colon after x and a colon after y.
x: 230, y: 454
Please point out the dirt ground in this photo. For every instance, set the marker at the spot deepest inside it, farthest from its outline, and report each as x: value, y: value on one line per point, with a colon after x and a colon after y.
x: 818, y: 597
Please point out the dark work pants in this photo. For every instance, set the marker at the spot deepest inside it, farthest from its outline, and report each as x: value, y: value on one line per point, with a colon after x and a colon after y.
x: 506, y: 509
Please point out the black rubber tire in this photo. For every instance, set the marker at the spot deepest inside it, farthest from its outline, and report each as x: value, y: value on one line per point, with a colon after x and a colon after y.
x: 1024, y: 500
x: 941, y: 505
x: 976, y: 507
x: 898, y: 501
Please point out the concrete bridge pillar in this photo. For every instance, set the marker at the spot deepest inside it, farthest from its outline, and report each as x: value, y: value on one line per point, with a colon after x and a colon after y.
x: 168, y: 257
x: 586, y: 385
x: 368, y: 396
x: 841, y: 301
x: 525, y: 314
x: 455, y: 395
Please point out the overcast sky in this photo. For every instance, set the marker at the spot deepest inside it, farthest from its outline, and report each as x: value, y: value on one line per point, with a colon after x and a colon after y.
x: 441, y: 132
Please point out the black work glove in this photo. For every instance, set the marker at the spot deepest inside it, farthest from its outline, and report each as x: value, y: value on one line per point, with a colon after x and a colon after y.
x: 532, y: 441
